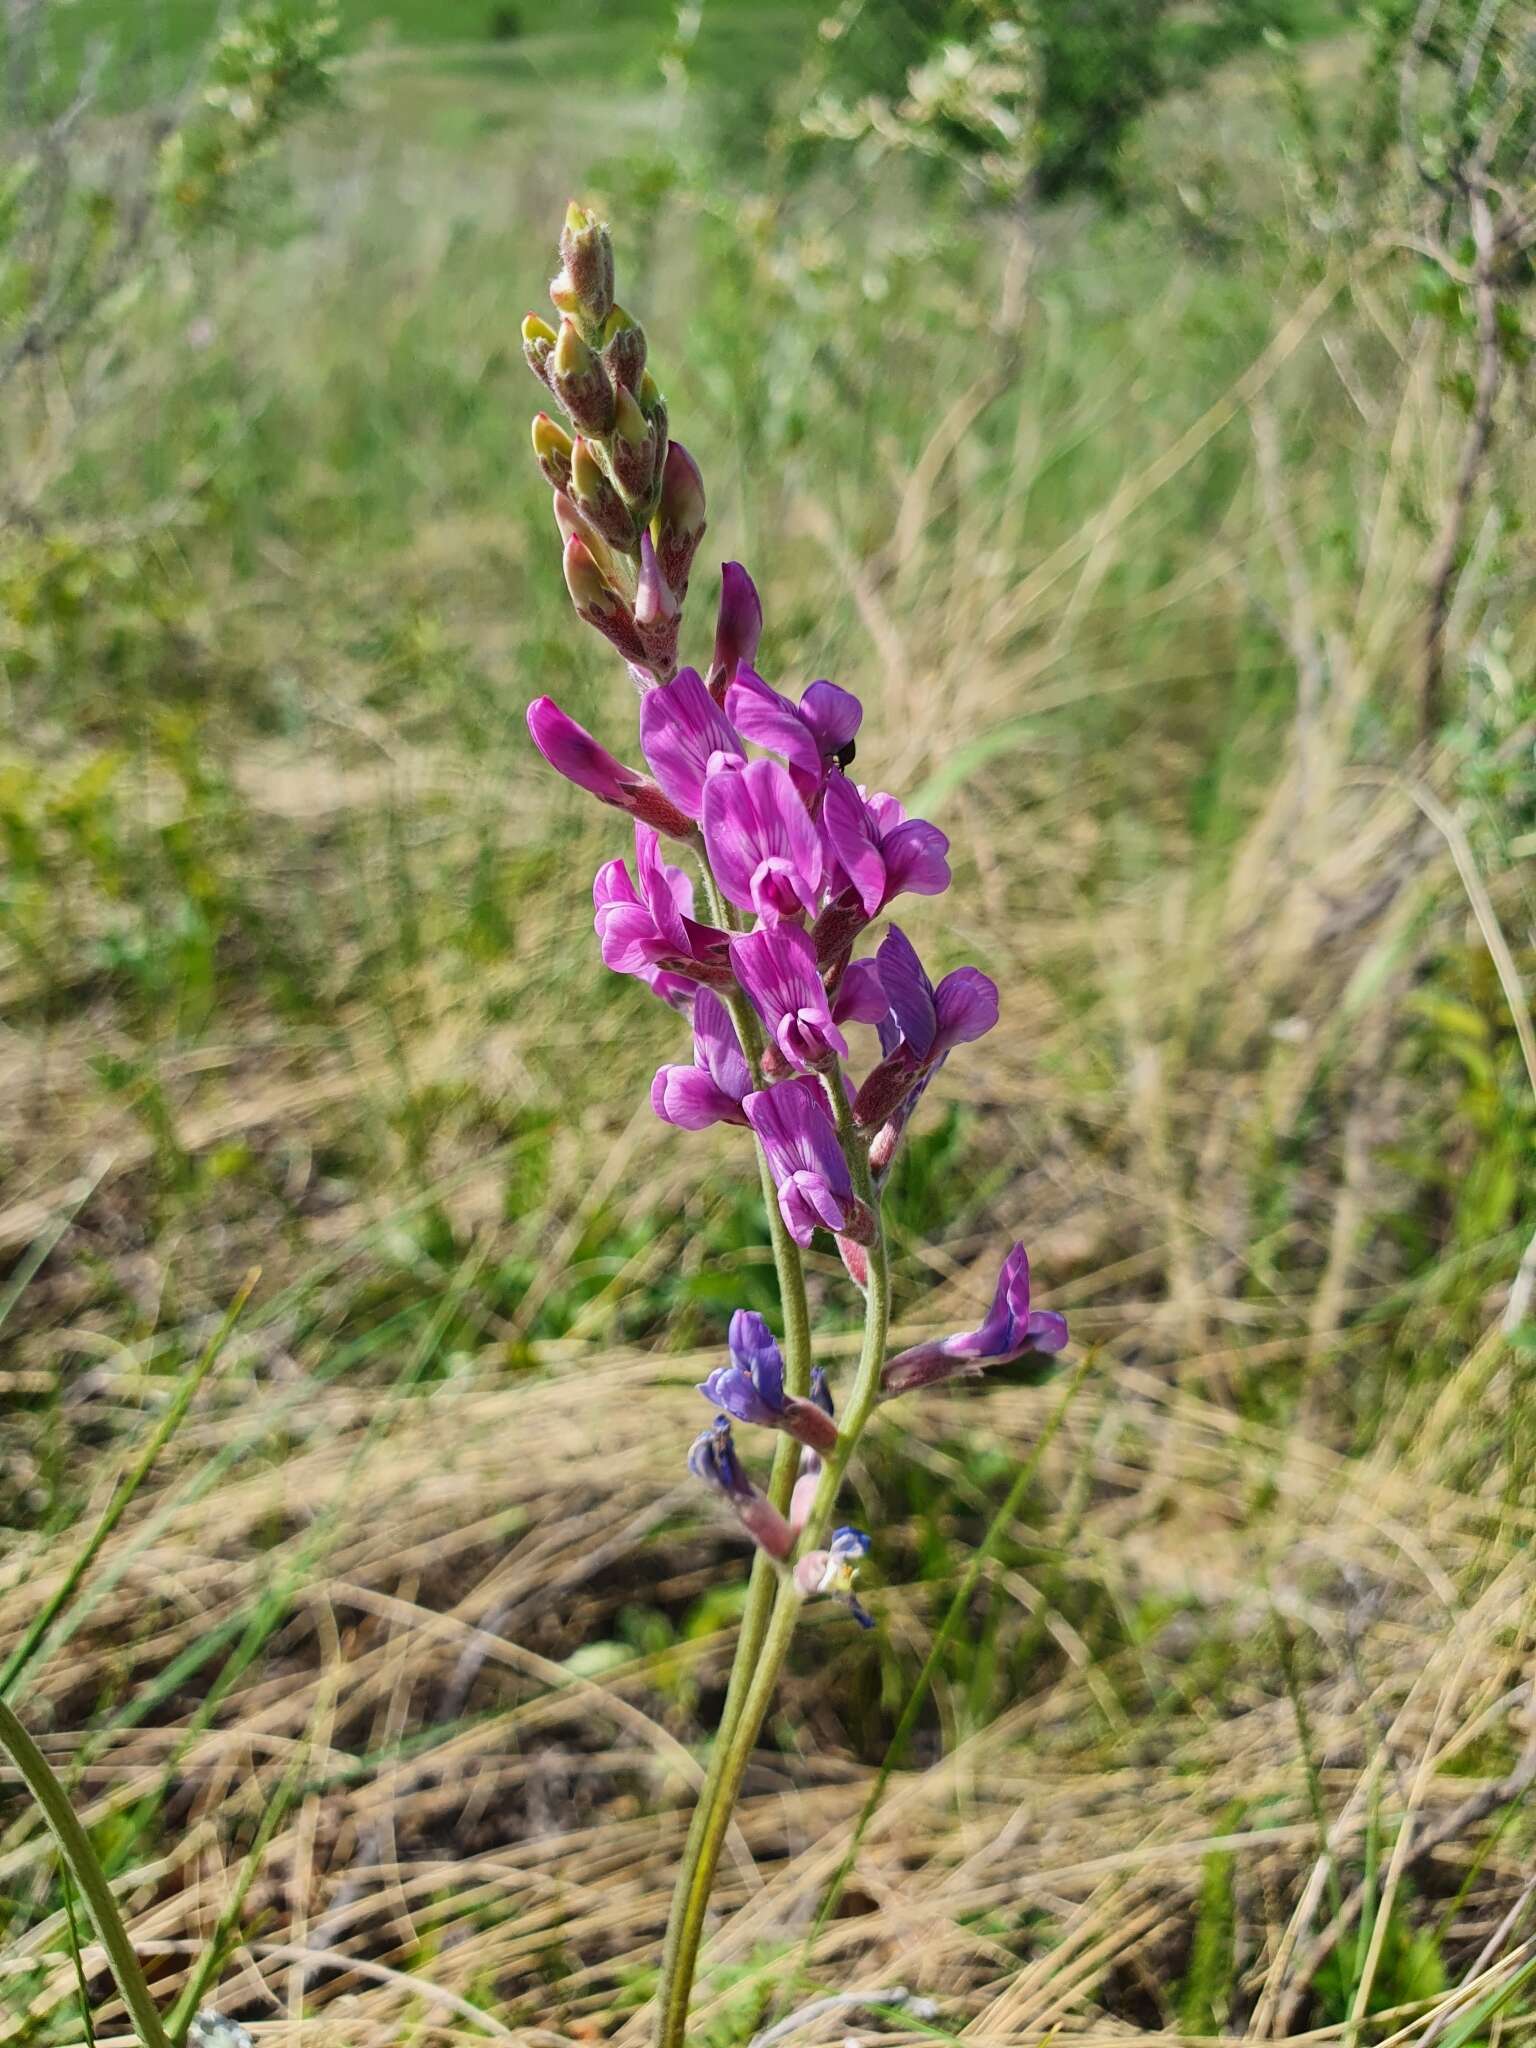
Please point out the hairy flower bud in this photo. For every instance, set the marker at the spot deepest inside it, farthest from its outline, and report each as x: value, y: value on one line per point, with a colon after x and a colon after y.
x: 597, y: 499
x: 679, y: 523
x: 584, y: 288
x: 539, y: 339
x: 579, y: 381
x: 597, y: 602
x: 624, y: 349
x: 632, y: 450
x: 552, y: 450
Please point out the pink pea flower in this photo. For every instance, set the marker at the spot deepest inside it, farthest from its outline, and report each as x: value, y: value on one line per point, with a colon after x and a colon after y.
x: 645, y: 927
x: 572, y: 752
x: 763, y: 848
x: 711, y: 1090
x: 876, y: 851
x: 811, y: 736
x: 777, y: 968
x: 1011, y: 1328
x: 681, y: 729
x: 809, y: 1171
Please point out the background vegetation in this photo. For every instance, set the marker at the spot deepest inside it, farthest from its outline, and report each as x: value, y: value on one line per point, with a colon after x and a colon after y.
x: 1119, y: 441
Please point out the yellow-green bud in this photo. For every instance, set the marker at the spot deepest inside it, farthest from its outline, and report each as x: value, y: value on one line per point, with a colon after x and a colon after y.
x: 538, y: 341
x: 624, y: 349
x: 584, y: 288
x: 580, y: 382
x: 552, y: 449
x: 597, y: 499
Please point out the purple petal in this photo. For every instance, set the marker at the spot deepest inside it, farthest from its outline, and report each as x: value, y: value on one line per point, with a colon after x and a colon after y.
x: 771, y: 721
x: 738, y: 626
x: 908, y: 991
x: 1047, y: 1331
x: 681, y: 726
x: 777, y: 968
x: 762, y: 845
x: 572, y: 752
x: 754, y: 1348
x: 966, y: 1006
x: 689, y: 1098
x: 915, y: 855
x: 833, y: 715
x: 861, y: 997
x: 717, y: 1049
x: 666, y: 892
x: 852, y: 839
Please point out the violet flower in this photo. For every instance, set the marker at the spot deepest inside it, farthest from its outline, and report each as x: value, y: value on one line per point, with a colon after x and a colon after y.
x: 572, y: 752
x: 809, y: 1171
x: 751, y: 1387
x: 1010, y: 1329
x: 777, y: 968
x: 681, y: 728
x: 711, y: 1090
x: 646, y: 927
x: 738, y: 628
x: 763, y: 848
x: 713, y: 1460
x: 924, y: 1026
x: 811, y: 736
x: 874, y: 852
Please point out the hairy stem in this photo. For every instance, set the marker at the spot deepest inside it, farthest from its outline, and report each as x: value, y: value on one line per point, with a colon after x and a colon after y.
x: 739, y: 1731
x: 790, y: 1272
x: 75, y: 1846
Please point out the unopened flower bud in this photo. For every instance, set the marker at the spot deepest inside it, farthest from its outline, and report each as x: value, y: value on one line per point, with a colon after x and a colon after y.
x: 598, y: 603
x: 571, y: 520
x: 552, y: 448
x: 679, y: 523
x: 586, y: 250
x: 624, y: 349
x: 738, y: 628
x: 632, y: 449
x: 580, y: 382
x: 597, y: 498
x: 539, y: 339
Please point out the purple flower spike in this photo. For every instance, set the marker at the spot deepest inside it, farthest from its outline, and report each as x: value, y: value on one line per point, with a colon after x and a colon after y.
x: 777, y: 968
x: 711, y: 1090
x: 762, y: 845
x: 738, y: 628
x: 876, y: 850
x: 1011, y: 1328
x: 751, y: 1387
x: 809, y: 1171
x: 681, y: 727
x: 713, y: 1460
x: 572, y: 752
x: 646, y: 927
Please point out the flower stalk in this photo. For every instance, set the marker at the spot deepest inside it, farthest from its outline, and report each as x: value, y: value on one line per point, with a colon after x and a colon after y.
x: 796, y: 862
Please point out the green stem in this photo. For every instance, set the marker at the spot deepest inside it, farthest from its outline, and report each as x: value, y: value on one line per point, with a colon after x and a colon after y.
x: 38, y: 1777
x: 739, y: 1732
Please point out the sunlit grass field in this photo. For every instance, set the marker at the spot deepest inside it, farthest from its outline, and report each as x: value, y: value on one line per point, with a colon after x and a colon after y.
x: 1117, y: 520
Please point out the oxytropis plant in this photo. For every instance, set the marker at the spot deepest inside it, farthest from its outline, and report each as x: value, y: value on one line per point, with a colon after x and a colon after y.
x: 766, y: 950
